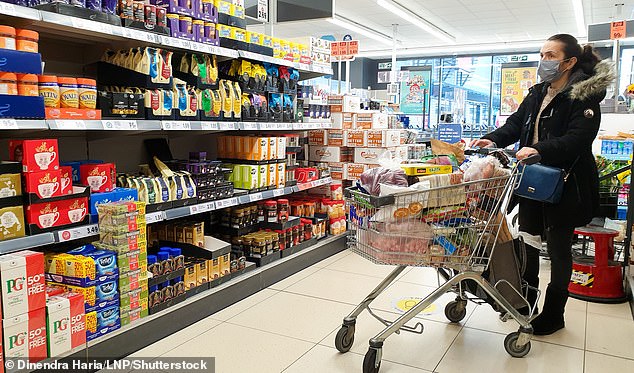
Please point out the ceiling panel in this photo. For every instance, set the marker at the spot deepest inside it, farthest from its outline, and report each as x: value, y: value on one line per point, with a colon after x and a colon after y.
x: 470, y: 21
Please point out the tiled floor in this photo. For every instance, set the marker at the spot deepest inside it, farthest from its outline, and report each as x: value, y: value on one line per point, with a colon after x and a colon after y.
x: 291, y: 326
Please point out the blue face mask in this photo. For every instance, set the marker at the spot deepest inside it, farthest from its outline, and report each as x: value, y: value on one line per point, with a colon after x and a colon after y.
x: 548, y: 71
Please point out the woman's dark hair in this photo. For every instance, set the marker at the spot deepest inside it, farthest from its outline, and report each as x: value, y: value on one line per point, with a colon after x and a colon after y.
x: 587, y: 58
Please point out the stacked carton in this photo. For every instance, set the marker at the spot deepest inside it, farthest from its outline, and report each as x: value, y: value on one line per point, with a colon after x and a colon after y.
x: 23, y: 306
x: 123, y: 229
x: 358, y: 141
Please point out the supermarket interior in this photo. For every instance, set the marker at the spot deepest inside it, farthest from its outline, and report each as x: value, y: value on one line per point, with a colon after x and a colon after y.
x: 265, y: 186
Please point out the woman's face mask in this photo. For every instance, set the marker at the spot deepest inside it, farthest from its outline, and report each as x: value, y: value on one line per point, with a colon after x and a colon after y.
x: 548, y: 71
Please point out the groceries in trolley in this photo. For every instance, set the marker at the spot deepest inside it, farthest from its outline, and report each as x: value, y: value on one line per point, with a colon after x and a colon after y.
x: 441, y: 220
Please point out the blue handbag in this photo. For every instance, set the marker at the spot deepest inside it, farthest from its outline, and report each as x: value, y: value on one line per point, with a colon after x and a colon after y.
x: 542, y: 183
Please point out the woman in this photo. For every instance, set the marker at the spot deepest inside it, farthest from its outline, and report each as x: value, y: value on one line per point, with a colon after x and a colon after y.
x: 559, y: 120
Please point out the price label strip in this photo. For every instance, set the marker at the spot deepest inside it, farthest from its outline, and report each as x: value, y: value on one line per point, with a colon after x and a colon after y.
x: 224, y: 203
x: 201, y: 208
x: 154, y: 217
x: 278, y: 192
x: 176, y: 125
x: 255, y: 197
x: 227, y: 126
x: 85, y: 24
x: 120, y: 125
x: 247, y: 126
x: 8, y: 9
x: 8, y: 124
x: 70, y: 124
x: 77, y: 233
x: 209, y: 126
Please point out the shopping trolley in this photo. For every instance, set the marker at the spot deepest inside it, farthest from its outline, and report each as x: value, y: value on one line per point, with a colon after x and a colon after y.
x: 454, y: 228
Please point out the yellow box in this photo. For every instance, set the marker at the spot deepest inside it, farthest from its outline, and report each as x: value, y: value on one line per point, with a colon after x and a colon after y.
x: 91, y: 322
x: 55, y: 263
x: 271, y: 175
x: 214, y: 269
x: 191, y: 277
x: 202, y: 272
x: 280, y: 179
x: 79, y: 266
x: 224, y: 31
x: 224, y: 7
x: 225, y: 265
x: 89, y: 293
x: 12, y: 219
x: 267, y: 41
x: 238, y: 34
x: 422, y: 169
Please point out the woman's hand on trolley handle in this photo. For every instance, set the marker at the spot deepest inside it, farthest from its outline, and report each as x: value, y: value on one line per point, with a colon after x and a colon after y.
x: 528, y: 155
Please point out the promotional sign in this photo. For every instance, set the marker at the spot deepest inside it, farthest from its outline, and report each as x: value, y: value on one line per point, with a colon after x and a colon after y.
x: 618, y: 30
x: 450, y: 132
x: 517, y: 78
x: 415, y: 91
x: 344, y: 50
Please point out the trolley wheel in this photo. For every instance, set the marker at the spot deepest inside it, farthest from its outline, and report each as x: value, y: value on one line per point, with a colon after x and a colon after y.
x: 510, y: 345
x: 369, y: 361
x: 344, y: 338
x: 456, y: 311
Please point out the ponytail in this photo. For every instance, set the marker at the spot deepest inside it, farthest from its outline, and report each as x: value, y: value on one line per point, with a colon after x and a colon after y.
x: 587, y: 58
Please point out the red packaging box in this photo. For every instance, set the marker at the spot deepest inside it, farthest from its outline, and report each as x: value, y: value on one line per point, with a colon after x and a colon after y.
x: 44, y: 184
x: 75, y: 209
x: 35, y: 155
x: 307, y: 174
x: 66, y: 323
x: 46, y: 215
x: 25, y: 336
x: 99, y: 177
x: 67, y: 180
x: 23, y: 285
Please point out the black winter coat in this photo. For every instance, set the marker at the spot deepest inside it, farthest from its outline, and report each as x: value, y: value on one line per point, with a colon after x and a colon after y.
x: 568, y: 127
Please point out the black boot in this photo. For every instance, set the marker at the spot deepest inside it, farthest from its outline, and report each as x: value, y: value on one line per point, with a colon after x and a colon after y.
x: 530, y: 276
x: 552, y: 317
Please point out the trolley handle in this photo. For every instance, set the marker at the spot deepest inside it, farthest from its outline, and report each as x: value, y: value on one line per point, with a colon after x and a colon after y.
x: 504, y: 155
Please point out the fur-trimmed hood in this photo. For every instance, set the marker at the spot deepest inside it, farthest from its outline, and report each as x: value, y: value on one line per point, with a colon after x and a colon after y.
x: 585, y: 86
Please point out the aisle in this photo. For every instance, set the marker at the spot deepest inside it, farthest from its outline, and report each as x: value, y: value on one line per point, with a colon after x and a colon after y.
x: 290, y: 327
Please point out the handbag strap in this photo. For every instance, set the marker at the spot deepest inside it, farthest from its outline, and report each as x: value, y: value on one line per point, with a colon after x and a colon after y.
x: 567, y: 175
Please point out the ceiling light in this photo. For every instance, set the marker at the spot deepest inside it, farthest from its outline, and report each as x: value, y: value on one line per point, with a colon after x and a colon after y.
x: 458, y: 49
x: 417, y: 21
x: 362, y: 30
x: 581, y: 21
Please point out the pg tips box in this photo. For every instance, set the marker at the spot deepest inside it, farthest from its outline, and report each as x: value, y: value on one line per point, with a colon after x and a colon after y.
x: 25, y: 336
x: 23, y: 287
x: 65, y: 323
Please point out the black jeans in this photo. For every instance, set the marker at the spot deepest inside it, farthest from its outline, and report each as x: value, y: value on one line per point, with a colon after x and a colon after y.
x: 559, y: 243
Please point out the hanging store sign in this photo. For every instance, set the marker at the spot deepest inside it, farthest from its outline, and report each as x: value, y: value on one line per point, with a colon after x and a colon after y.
x: 344, y: 50
x: 263, y: 10
x: 385, y: 66
x: 517, y: 78
x: 618, y: 30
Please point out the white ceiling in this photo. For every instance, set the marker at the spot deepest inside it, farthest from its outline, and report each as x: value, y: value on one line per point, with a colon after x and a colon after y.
x: 470, y: 21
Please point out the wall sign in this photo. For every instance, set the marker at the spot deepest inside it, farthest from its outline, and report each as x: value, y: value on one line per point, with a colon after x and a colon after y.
x: 517, y: 78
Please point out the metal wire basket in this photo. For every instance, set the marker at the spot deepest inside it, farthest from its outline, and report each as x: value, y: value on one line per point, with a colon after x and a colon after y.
x: 448, y: 225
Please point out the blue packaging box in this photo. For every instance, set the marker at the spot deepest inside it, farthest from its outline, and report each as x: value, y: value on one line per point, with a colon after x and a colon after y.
x: 103, y: 331
x: 21, y: 107
x: 99, y: 198
x: 20, y: 62
x: 82, y: 282
x: 100, y: 305
x: 75, y: 167
x: 127, y: 194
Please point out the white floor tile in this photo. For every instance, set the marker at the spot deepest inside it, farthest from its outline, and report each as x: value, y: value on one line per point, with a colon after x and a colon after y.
x: 573, y: 335
x: 326, y: 359
x: 480, y: 351
x: 240, y: 349
x: 421, y: 351
x: 335, y: 285
x: 356, y: 264
x: 422, y: 276
x: 281, y: 285
x: 598, y: 363
x: 621, y: 310
x: 237, y: 308
x: 296, y: 316
x: 487, y: 319
x: 166, y: 344
x: 326, y: 262
x: 610, y: 335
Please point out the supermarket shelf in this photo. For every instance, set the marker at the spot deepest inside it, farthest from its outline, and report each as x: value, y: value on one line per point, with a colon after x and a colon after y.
x: 155, y: 125
x: 155, y: 327
x: 182, y: 212
x: 617, y: 157
x: 60, y: 236
x: 20, y: 124
x: 88, y: 30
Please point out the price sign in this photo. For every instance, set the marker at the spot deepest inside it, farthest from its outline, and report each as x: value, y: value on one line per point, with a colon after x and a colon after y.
x: 304, y: 66
x: 209, y: 126
x: 267, y: 126
x: 203, y: 207
x: 176, y: 125
x: 78, y: 233
x: 304, y: 186
x: 224, y: 203
x: 263, y: 10
x: 70, y: 124
x: 8, y: 9
x: 278, y: 192
x: 618, y: 30
x: 255, y: 197
x: 139, y: 35
x: 247, y: 126
x: 8, y: 124
x: 154, y: 217
x: 186, y: 44
x: 169, y: 41
x: 226, y: 126
x: 85, y: 24
x: 120, y: 125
